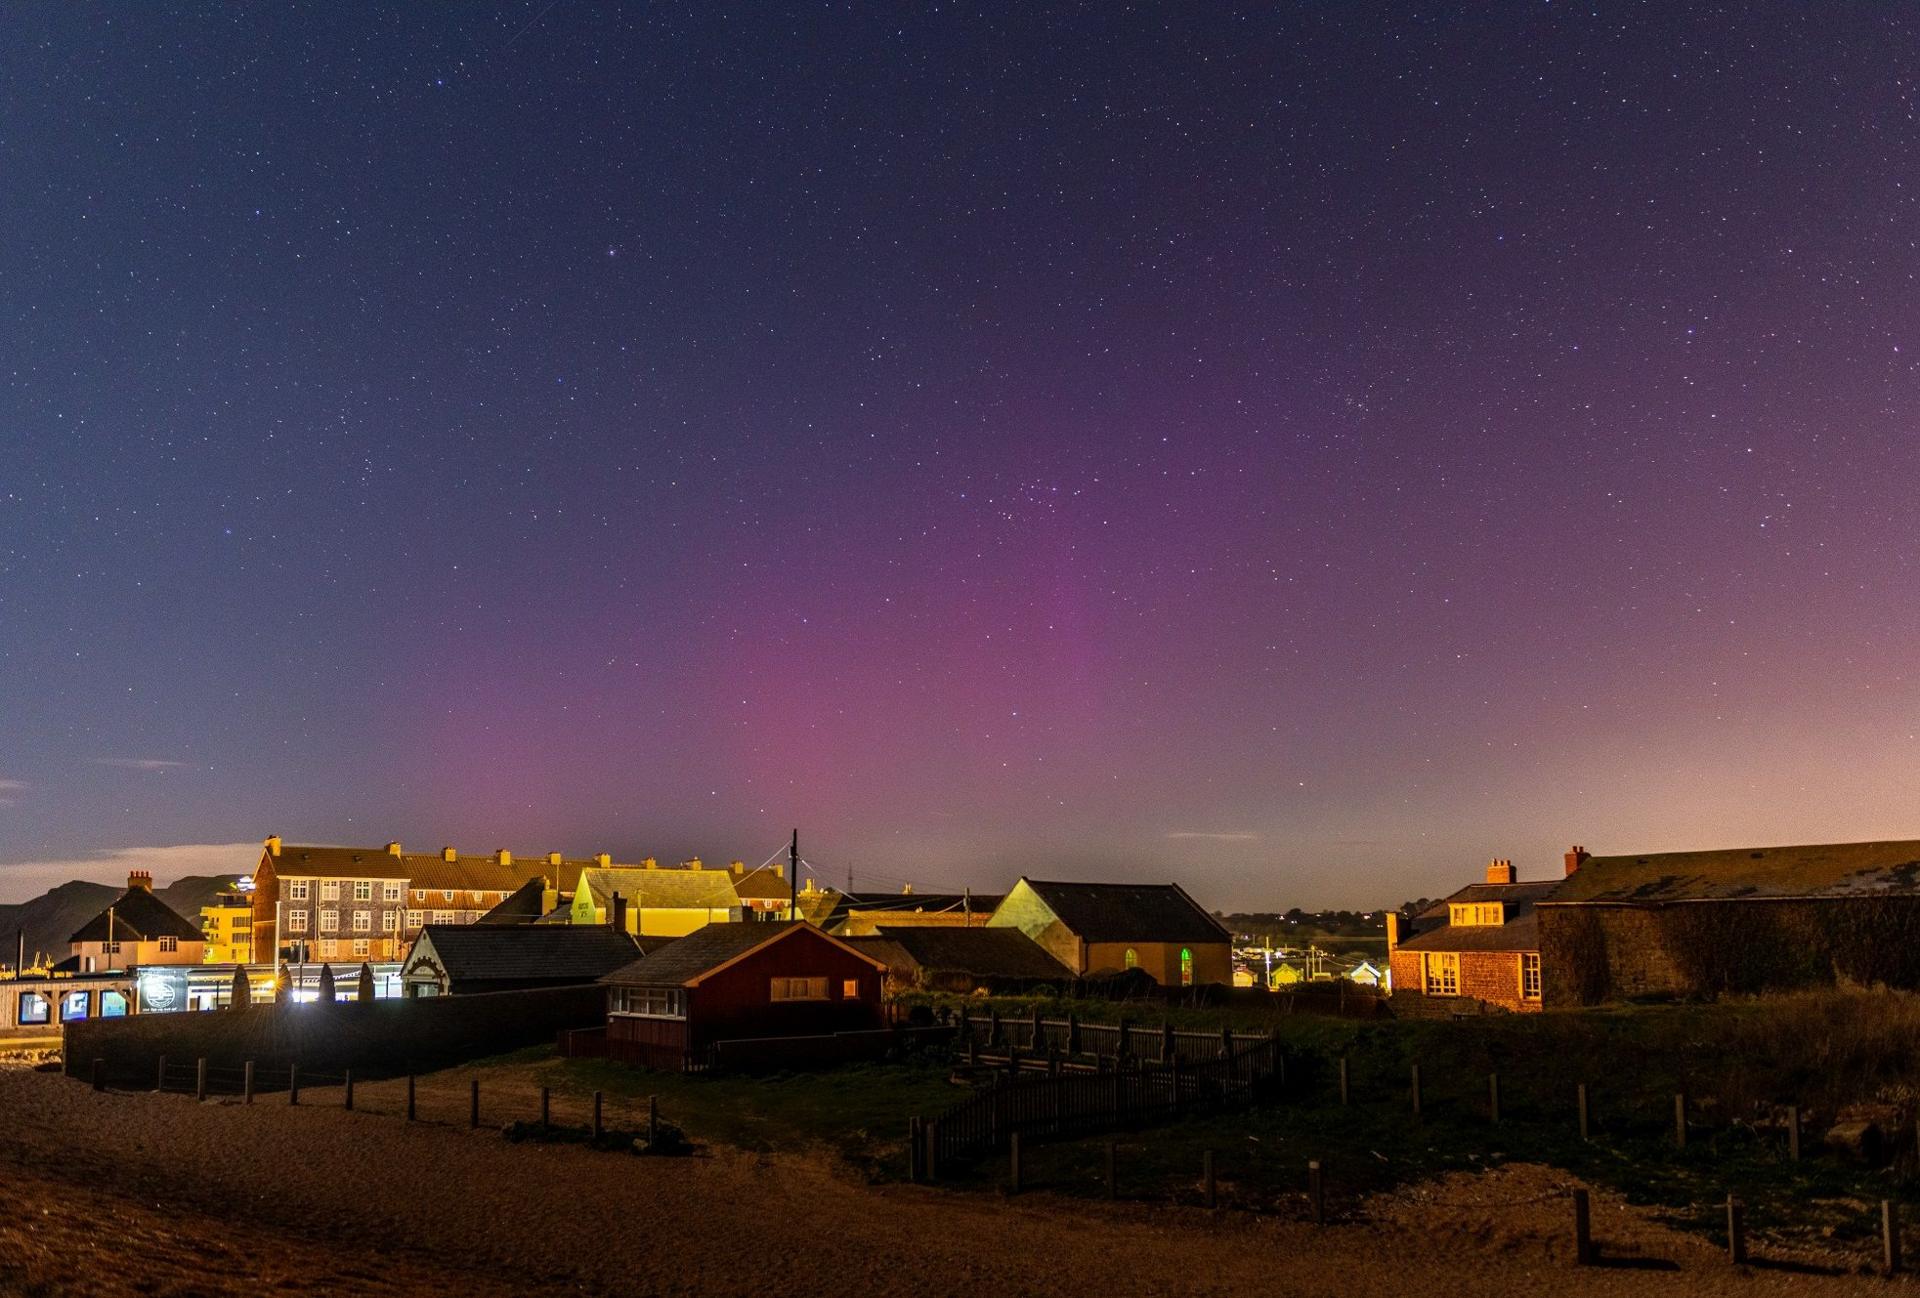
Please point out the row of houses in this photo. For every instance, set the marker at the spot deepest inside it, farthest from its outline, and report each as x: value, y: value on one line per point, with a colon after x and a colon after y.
x: 1664, y: 924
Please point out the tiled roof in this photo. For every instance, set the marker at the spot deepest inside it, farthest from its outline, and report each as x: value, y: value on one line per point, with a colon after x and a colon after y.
x: 762, y: 884
x: 979, y: 952
x: 297, y: 862
x: 706, y: 949
x: 138, y: 916
x: 481, y: 873
x: 1129, y: 912
x: 524, y: 952
x: 1522, y: 934
x: 662, y: 889
x: 1813, y: 870
x: 523, y: 905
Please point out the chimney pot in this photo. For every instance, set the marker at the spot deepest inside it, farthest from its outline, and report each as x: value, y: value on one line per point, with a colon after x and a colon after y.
x: 1576, y: 857
x: 553, y: 858
x: 140, y: 879
x: 273, y: 844
x: 1500, y: 870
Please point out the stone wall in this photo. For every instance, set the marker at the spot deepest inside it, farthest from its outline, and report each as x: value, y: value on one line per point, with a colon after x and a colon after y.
x: 1489, y: 980
x: 384, y: 1038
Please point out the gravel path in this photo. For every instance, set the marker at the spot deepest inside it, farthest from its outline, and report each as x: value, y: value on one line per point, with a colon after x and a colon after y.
x: 128, y: 1193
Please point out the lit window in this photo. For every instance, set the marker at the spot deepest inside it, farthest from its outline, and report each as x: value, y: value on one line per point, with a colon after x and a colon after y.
x: 363, y: 890
x: 73, y: 1006
x: 1530, y: 976
x: 34, y: 1008
x: 1443, y: 973
x: 799, y: 989
x: 296, y: 921
x: 1476, y: 914
x: 1186, y: 967
x: 113, y: 1005
x: 850, y: 989
x: 1132, y: 958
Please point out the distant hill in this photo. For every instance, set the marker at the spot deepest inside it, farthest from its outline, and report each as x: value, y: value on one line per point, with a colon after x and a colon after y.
x: 50, y: 919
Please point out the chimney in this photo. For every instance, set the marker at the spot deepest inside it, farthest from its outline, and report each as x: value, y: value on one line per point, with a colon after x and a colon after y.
x: 737, y: 868
x: 1500, y: 870
x: 273, y: 845
x: 907, y: 891
x: 393, y: 849
x: 448, y: 854
x: 1576, y: 857
x: 553, y: 858
x: 603, y: 860
x: 1393, y: 931
x: 618, y: 915
x: 501, y: 856
x: 650, y: 864
x: 779, y: 871
x: 695, y: 864
x: 140, y: 879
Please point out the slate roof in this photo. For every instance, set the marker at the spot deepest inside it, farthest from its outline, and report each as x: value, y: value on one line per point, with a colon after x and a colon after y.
x: 298, y: 862
x: 761, y: 885
x: 670, y: 889
x: 1813, y: 870
x: 523, y: 905
x: 545, y: 953
x: 1129, y: 912
x: 1521, y: 932
x: 829, y: 907
x: 977, y: 952
x: 706, y: 949
x: 138, y: 916
x: 481, y: 873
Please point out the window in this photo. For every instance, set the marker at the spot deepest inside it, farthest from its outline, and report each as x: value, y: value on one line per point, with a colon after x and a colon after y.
x: 169, y: 944
x: 850, y: 990
x: 1186, y: 967
x: 446, y: 894
x: 1443, y: 973
x: 73, y: 1005
x: 1476, y: 914
x: 419, y: 894
x: 330, y: 890
x: 296, y: 921
x: 328, y: 948
x: 329, y: 920
x: 363, y: 890
x: 110, y: 948
x: 653, y: 1002
x: 443, y: 917
x: 1132, y: 958
x: 1530, y: 976
x: 390, y: 920
x: 799, y: 989
x: 34, y: 1008
x: 363, y: 921
x: 390, y: 891
x: 360, y: 946
x: 113, y: 1005
x: 297, y: 890
x: 413, y: 919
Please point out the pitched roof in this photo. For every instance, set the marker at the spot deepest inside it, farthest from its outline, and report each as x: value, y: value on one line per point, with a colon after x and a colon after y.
x: 481, y: 873
x: 978, y: 952
x: 1129, y: 912
x: 308, y: 862
x: 1813, y: 870
x: 138, y: 916
x: 523, y: 905
x: 763, y: 884
x: 1520, y: 932
x: 670, y: 889
x: 706, y: 949
x: 530, y: 952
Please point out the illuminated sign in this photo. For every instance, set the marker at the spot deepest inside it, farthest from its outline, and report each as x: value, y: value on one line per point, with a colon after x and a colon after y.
x: 162, y: 990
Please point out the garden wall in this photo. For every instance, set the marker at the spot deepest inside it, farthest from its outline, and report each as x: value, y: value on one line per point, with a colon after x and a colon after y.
x: 384, y: 1038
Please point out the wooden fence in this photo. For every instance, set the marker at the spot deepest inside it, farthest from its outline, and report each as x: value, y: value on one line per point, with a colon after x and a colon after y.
x: 1035, y: 1036
x: 750, y: 1054
x: 1066, y: 1104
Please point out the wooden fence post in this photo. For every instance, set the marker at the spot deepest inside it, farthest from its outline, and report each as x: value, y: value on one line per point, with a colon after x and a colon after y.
x: 1206, y: 1174
x: 1317, y: 1191
x: 99, y: 1066
x: 1343, y: 1080
x: 473, y: 1105
x: 1680, y: 1121
x: 653, y: 1120
x: 1113, y: 1176
x: 1582, y: 1229
x: 932, y: 1164
x: 1493, y: 1098
x: 293, y: 1083
x: 916, y: 1150
x: 1582, y: 1096
x: 1736, y: 1232
x: 1073, y: 1034
x: 247, y: 1082
x: 410, y: 1098
x: 598, y: 1128
x: 1036, y: 1037
x: 1416, y: 1092
x: 1013, y: 1163
x: 1793, y: 1133
x: 1168, y: 1052
x: 200, y: 1078
x: 349, y: 1094
x: 1890, y: 1236
x: 161, y: 1084
x: 546, y: 1109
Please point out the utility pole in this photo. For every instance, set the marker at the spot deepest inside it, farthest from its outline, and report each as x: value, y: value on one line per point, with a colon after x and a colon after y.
x: 793, y: 877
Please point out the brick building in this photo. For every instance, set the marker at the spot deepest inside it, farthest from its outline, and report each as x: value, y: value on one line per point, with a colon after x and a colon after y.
x: 1477, y: 950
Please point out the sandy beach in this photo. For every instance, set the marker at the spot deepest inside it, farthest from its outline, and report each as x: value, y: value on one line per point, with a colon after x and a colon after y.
x: 134, y: 1193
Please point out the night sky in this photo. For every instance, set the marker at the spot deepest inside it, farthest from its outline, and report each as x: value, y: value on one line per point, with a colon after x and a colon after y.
x: 1300, y: 451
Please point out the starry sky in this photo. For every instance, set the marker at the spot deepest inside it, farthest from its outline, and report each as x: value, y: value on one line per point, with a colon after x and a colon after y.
x: 1300, y: 450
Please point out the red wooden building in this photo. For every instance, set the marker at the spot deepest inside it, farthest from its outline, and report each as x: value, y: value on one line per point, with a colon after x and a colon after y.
x: 732, y: 982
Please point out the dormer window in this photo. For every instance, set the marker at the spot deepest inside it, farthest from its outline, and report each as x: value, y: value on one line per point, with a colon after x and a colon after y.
x: 1478, y: 914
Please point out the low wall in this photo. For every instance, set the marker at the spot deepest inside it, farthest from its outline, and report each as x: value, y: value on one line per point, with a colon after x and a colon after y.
x: 385, y: 1038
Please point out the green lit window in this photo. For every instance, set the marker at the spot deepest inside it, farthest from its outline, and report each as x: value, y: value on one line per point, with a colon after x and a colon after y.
x: 1186, y: 967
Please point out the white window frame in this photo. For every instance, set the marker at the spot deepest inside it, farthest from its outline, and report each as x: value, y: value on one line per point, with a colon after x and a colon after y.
x: 297, y: 890
x: 296, y: 921
x: 1529, y: 975
x: 391, y: 890
x: 360, y: 946
x: 329, y: 948
x: 363, y: 921
x: 415, y: 919
x: 329, y: 921
x: 363, y: 890
x: 649, y: 1002
x: 329, y: 890
x: 443, y: 917
x: 389, y: 921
